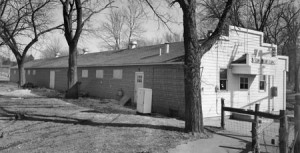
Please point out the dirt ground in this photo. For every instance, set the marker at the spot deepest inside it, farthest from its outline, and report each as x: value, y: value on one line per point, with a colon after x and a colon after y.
x: 46, y: 122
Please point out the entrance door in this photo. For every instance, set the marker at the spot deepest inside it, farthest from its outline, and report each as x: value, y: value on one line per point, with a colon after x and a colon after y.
x: 52, y: 79
x: 138, y: 83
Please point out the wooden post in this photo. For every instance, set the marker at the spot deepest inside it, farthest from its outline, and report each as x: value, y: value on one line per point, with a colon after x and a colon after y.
x: 222, y: 113
x: 283, y: 133
x: 255, y: 139
x: 297, y: 124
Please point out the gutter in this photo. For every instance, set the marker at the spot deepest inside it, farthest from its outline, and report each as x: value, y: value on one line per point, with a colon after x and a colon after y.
x: 107, y: 65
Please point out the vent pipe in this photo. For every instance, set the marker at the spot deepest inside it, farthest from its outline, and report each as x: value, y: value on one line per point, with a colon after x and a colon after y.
x: 167, y: 48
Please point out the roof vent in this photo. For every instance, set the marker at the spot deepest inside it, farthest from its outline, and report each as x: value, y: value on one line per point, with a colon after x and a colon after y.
x: 167, y: 48
x: 57, y: 54
x: 85, y: 51
x: 160, y: 52
x: 132, y: 44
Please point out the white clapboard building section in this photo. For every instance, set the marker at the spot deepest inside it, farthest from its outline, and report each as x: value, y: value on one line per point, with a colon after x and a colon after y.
x: 245, y: 71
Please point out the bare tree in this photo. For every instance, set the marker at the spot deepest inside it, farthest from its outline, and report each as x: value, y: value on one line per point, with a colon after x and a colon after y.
x: 76, y: 13
x: 172, y: 37
x: 123, y: 25
x: 291, y: 19
x: 21, y: 24
x: 134, y: 15
x: 112, y: 30
x: 53, y: 48
x: 192, y: 61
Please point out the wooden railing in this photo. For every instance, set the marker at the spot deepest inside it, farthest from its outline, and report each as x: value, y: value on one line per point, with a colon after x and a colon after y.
x: 283, y: 129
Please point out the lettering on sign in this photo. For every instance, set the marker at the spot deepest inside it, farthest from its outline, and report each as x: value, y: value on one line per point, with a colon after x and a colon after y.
x: 262, y: 61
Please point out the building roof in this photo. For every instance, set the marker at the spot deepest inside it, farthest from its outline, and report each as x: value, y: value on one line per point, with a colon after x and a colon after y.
x: 147, y: 55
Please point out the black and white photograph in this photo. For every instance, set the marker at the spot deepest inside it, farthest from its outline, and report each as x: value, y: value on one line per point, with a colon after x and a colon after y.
x: 150, y: 76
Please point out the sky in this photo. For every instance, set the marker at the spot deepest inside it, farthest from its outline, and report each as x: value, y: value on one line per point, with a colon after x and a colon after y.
x: 153, y: 29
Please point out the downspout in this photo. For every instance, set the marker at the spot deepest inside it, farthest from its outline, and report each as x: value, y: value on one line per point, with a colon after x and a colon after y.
x: 217, y: 70
x: 284, y: 89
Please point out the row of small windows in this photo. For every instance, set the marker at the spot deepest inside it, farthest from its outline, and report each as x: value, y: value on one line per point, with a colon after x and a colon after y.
x: 244, y: 81
x: 117, y: 74
x: 28, y: 72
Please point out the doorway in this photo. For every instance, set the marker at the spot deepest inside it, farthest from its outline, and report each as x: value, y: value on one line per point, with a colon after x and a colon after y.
x: 52, y: 79
x: 138, y: 83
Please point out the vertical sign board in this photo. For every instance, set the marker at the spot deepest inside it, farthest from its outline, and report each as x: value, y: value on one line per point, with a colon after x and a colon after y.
x: 138, y: 83
x: 52, y: 79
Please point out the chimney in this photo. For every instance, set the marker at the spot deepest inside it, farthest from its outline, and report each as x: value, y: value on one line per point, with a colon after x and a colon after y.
x: 167, y: 48
x: 132, y: 44
x: 209, y: 32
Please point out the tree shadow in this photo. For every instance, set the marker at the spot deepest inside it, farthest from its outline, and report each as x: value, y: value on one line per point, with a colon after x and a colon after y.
x: 76, y: 121
x: 241, y: 138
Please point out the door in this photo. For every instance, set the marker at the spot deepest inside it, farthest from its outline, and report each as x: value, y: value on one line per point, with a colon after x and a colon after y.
x: 138, y: 83
x: 52, y: 79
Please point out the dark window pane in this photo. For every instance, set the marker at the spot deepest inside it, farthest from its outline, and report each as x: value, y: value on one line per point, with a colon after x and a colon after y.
x: 262, y: 85
x: 223, y: 85
x: 243, y: 83
x: 246, y: 86
x: 223, y: 73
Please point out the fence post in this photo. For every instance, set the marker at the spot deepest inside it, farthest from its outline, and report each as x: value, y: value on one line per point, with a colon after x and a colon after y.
x: 255, y: 140
x: 222, y: 113
x: 283, y: 132
x: 297, y: 124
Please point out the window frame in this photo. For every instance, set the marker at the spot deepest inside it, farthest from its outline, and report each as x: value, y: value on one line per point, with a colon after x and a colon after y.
x: 223, y: 79
x: 244, y: 83
x: 117, y: 74
x: 264, y: 80
x: 98, y: 74
x: 83, y: 74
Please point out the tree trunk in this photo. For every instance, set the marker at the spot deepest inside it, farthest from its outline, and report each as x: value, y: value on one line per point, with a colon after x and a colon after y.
x: 22, y: 78
x: 192, y: 59
x: 297, y: 78
x: 72, y: 69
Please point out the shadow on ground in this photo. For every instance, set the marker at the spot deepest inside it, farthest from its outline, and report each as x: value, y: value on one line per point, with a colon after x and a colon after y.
x: 241, y: 138
x: 75, y: 121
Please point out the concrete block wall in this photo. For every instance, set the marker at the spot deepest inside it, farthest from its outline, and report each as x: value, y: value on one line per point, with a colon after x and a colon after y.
x: 166, y: 82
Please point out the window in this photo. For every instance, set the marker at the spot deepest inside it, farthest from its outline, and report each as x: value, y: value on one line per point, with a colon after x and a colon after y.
x: 244, y: 83
x: 223, y: 79
x: 139, y: 78
x: 262, y: 82
x: 85, y: 73
x: 33, y: 72
x: 15, y: 71
x: 99, y: 73
x: 117, y: 74
x: 28, y: 72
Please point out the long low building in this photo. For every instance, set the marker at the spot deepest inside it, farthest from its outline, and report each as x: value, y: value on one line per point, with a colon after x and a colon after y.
x: 240, y: 67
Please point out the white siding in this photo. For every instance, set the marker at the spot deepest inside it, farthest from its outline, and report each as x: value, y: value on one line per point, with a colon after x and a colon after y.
x: 220, y: 56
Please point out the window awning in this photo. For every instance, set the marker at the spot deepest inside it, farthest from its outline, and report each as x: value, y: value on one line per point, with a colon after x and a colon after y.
x: 251, y: 65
